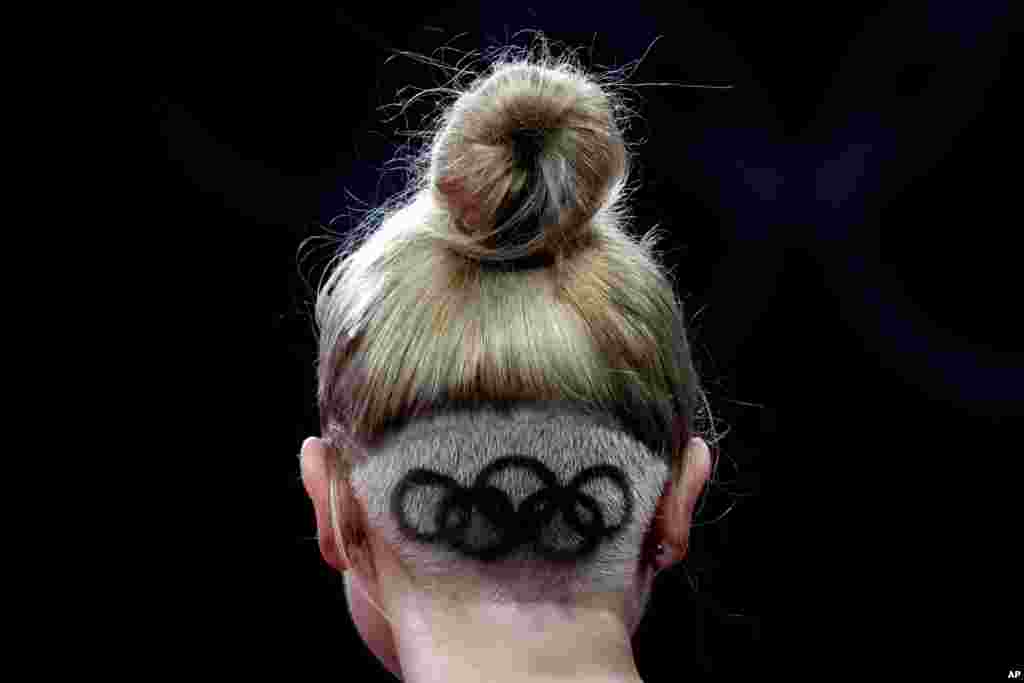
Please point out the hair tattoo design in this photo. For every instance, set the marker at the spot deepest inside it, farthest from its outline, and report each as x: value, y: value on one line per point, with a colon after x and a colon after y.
x: 516, y: 527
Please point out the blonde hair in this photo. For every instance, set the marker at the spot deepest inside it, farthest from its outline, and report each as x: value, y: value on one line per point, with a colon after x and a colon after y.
x: 505, y: 275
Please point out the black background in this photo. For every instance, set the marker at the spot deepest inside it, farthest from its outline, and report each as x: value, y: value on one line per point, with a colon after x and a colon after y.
x: 841, y: 227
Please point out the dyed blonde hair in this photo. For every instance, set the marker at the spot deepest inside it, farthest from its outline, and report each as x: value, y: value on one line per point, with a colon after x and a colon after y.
x: 503, y: 275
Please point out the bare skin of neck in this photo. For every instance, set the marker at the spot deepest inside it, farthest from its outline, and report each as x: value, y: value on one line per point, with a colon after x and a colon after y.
x: 503, y: 643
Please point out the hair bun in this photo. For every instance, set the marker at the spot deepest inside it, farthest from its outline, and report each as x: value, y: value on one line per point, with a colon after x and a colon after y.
x: 524, y: 160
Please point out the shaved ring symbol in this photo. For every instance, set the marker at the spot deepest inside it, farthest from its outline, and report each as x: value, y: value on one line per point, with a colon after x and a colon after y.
x: 515, y: 527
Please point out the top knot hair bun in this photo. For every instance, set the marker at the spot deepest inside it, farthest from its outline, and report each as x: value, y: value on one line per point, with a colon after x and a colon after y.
x: 524, y: 160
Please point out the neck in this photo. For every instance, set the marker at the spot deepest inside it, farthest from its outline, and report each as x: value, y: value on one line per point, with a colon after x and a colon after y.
x: 504, y: 643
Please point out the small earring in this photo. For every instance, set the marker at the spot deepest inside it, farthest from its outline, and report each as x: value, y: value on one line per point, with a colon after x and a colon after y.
x: 661, y: 548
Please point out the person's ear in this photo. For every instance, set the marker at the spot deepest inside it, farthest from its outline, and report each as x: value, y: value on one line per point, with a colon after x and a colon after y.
x: 313, y: 459
x: 695, y: 475
x: 676, y: 507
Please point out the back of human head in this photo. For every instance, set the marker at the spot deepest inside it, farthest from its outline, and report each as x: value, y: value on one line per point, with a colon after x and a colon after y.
x: 505, y: 379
